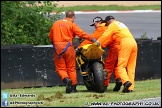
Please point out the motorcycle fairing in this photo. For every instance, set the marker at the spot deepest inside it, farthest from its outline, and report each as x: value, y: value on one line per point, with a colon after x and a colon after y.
x: 91, y: 51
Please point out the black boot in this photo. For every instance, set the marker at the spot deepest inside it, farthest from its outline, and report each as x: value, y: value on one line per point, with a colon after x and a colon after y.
x: 74, y: 88
x: 118, y: 85
x: 127, y: 84
x: 68, y: 83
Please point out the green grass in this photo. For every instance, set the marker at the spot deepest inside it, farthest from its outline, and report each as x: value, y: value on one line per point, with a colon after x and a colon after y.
x: 110, y: 7
x: 52, y: 98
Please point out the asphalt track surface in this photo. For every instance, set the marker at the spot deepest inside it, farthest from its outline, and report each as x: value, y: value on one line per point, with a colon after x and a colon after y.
x: 140, y: 22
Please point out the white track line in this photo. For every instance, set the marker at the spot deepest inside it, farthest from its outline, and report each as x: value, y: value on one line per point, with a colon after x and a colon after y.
x: 119, y: 11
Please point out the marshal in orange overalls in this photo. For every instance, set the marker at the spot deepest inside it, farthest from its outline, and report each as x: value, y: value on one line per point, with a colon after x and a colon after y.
x: 61, y: 35
x: 119, y: 34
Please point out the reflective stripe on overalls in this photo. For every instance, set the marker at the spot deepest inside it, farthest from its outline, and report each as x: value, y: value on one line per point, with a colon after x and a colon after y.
x: 67, y: 46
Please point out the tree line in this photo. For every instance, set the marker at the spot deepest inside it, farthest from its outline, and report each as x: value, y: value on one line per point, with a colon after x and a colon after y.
x: 27, y: 22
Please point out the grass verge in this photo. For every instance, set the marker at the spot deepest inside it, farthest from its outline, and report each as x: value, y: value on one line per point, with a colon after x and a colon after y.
x: 56, y: 96
x: 109, y: 7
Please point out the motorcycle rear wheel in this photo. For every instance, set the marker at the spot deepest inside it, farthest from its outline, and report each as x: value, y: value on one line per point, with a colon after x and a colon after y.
x: 98, y: 77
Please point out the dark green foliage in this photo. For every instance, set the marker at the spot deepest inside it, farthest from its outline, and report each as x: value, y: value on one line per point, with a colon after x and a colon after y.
x: 26, y: 22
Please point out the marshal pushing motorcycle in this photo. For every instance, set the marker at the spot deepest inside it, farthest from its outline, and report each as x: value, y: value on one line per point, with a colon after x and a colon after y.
x: 90, y: 61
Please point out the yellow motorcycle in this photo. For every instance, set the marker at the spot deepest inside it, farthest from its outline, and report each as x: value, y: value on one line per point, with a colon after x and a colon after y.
x: 90, y: 63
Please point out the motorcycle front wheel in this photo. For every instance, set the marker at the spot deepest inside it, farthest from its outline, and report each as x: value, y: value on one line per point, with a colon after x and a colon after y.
x: 98, y: 77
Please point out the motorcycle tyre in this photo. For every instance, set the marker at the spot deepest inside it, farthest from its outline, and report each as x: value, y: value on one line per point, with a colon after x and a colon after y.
x: 98, y: 77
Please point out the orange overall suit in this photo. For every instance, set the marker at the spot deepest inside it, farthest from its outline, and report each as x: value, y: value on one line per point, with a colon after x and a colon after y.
x: 61, y: 35
x: 111, y: 60
x: 127, y: 53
